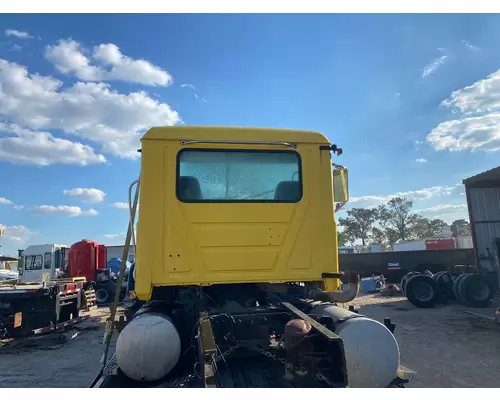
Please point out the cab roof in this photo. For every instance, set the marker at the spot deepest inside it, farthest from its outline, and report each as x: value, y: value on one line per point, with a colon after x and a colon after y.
x: 234, y: 133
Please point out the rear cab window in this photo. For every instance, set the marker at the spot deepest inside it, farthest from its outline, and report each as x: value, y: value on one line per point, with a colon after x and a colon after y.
x: 246, y: 176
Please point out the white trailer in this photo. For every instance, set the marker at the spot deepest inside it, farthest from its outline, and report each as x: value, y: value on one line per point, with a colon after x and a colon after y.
x: 464, y: 242
x: 409, y: 245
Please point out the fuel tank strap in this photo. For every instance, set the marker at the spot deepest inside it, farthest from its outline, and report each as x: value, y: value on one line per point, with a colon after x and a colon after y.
x: 327, y: 333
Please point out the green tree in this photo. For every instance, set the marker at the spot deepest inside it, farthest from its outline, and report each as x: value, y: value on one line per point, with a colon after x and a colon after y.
x: 359, y: 223
x: 379, y: 236
x: 342, y: 239
x: 425, y: 227
x: 458, y: 226
x: 397, y: 219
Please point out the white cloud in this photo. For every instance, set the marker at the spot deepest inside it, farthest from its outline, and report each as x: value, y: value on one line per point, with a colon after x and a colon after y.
x: 449, y: 190
x: 446, y: 212
x: 196, y: 95
x: 15, y: 237
x: 417, y: 144
x: 18, y: 34
x: 482, y: 96
x: 118, y: 237
x: 19, y: 207
x: 469, y: 45
x: 70, y: 57
x: 479, y: 127
x: 15, y: 47
x: 16, y: 232
x: 114, y: 235
x: 421, y: 160
x: 41, y: 148
x: 92, y: 111
x: 3, y: 200
x: 420, y: 194
x: 70, y: 211
x: 474, y: 133
x: 86, y: 195
x: 120, y: 205
x: 443, y: 207
x: 440, y: 49
x: 433, y: 66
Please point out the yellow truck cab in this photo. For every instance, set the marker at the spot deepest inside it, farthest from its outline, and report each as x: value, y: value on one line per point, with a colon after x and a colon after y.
x: 234, y: 205
x: 237, y: 265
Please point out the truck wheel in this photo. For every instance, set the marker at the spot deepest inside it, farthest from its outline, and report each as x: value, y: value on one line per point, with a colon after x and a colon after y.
x: 405, y: 279
x: 105, y: 293
x: 456, y: 283
x: 476, y: 291
x: 436, y: 276
x: 422, y: 291
x: 444, y: 282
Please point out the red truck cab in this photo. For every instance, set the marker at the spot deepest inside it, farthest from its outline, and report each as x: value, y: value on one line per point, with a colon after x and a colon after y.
x: 85, y: 259
x: 89, y: 259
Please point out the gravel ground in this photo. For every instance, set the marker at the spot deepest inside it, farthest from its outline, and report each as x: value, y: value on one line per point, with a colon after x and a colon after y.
x: 443, y: 346
x: 47, y: 361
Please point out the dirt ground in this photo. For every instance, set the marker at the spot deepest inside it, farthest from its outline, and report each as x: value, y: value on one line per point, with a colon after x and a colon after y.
x: 48, y: 361
x: 444, y: 347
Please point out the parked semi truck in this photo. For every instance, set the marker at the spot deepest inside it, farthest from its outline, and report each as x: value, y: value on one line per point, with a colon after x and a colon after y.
x: 236, y: 270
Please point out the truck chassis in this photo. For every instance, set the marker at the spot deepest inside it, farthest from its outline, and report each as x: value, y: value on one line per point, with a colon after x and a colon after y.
x: 240, y: 346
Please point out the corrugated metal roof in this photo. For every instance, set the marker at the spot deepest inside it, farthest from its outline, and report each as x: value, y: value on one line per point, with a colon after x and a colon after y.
x: 489, y: 175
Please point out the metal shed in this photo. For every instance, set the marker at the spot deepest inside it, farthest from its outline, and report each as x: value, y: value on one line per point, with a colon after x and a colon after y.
x: 483, y: 202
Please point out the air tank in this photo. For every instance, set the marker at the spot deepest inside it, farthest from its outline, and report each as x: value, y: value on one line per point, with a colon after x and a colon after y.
x: 149, y: 346
x: 371, y: 350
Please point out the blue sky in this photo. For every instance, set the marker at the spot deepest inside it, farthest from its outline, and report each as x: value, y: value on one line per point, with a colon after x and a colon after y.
x: 389, y: 89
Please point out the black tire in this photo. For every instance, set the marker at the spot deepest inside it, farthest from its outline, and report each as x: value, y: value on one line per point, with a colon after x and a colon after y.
x: 444, y: 281
x: 422, y: 291
x: 456, y: 283
x: 105, y: 292
x: 405, y: 279
x: 436, y: 276
x: 476, y: 291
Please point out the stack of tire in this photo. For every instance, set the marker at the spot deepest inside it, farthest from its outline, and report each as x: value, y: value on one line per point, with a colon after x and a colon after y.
x: 474, y: 290
x: 424, y: 291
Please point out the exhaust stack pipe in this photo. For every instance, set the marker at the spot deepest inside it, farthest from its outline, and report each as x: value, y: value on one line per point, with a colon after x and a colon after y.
x: 344, y: 296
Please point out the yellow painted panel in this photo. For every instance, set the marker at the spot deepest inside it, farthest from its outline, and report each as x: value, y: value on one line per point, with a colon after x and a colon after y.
x: 234, y: 234
x: 240, y: 259
x: 178, y: 133
x: 211, y: 243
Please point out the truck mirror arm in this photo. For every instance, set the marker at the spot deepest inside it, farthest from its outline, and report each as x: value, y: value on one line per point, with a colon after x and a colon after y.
x: 334, y: 148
